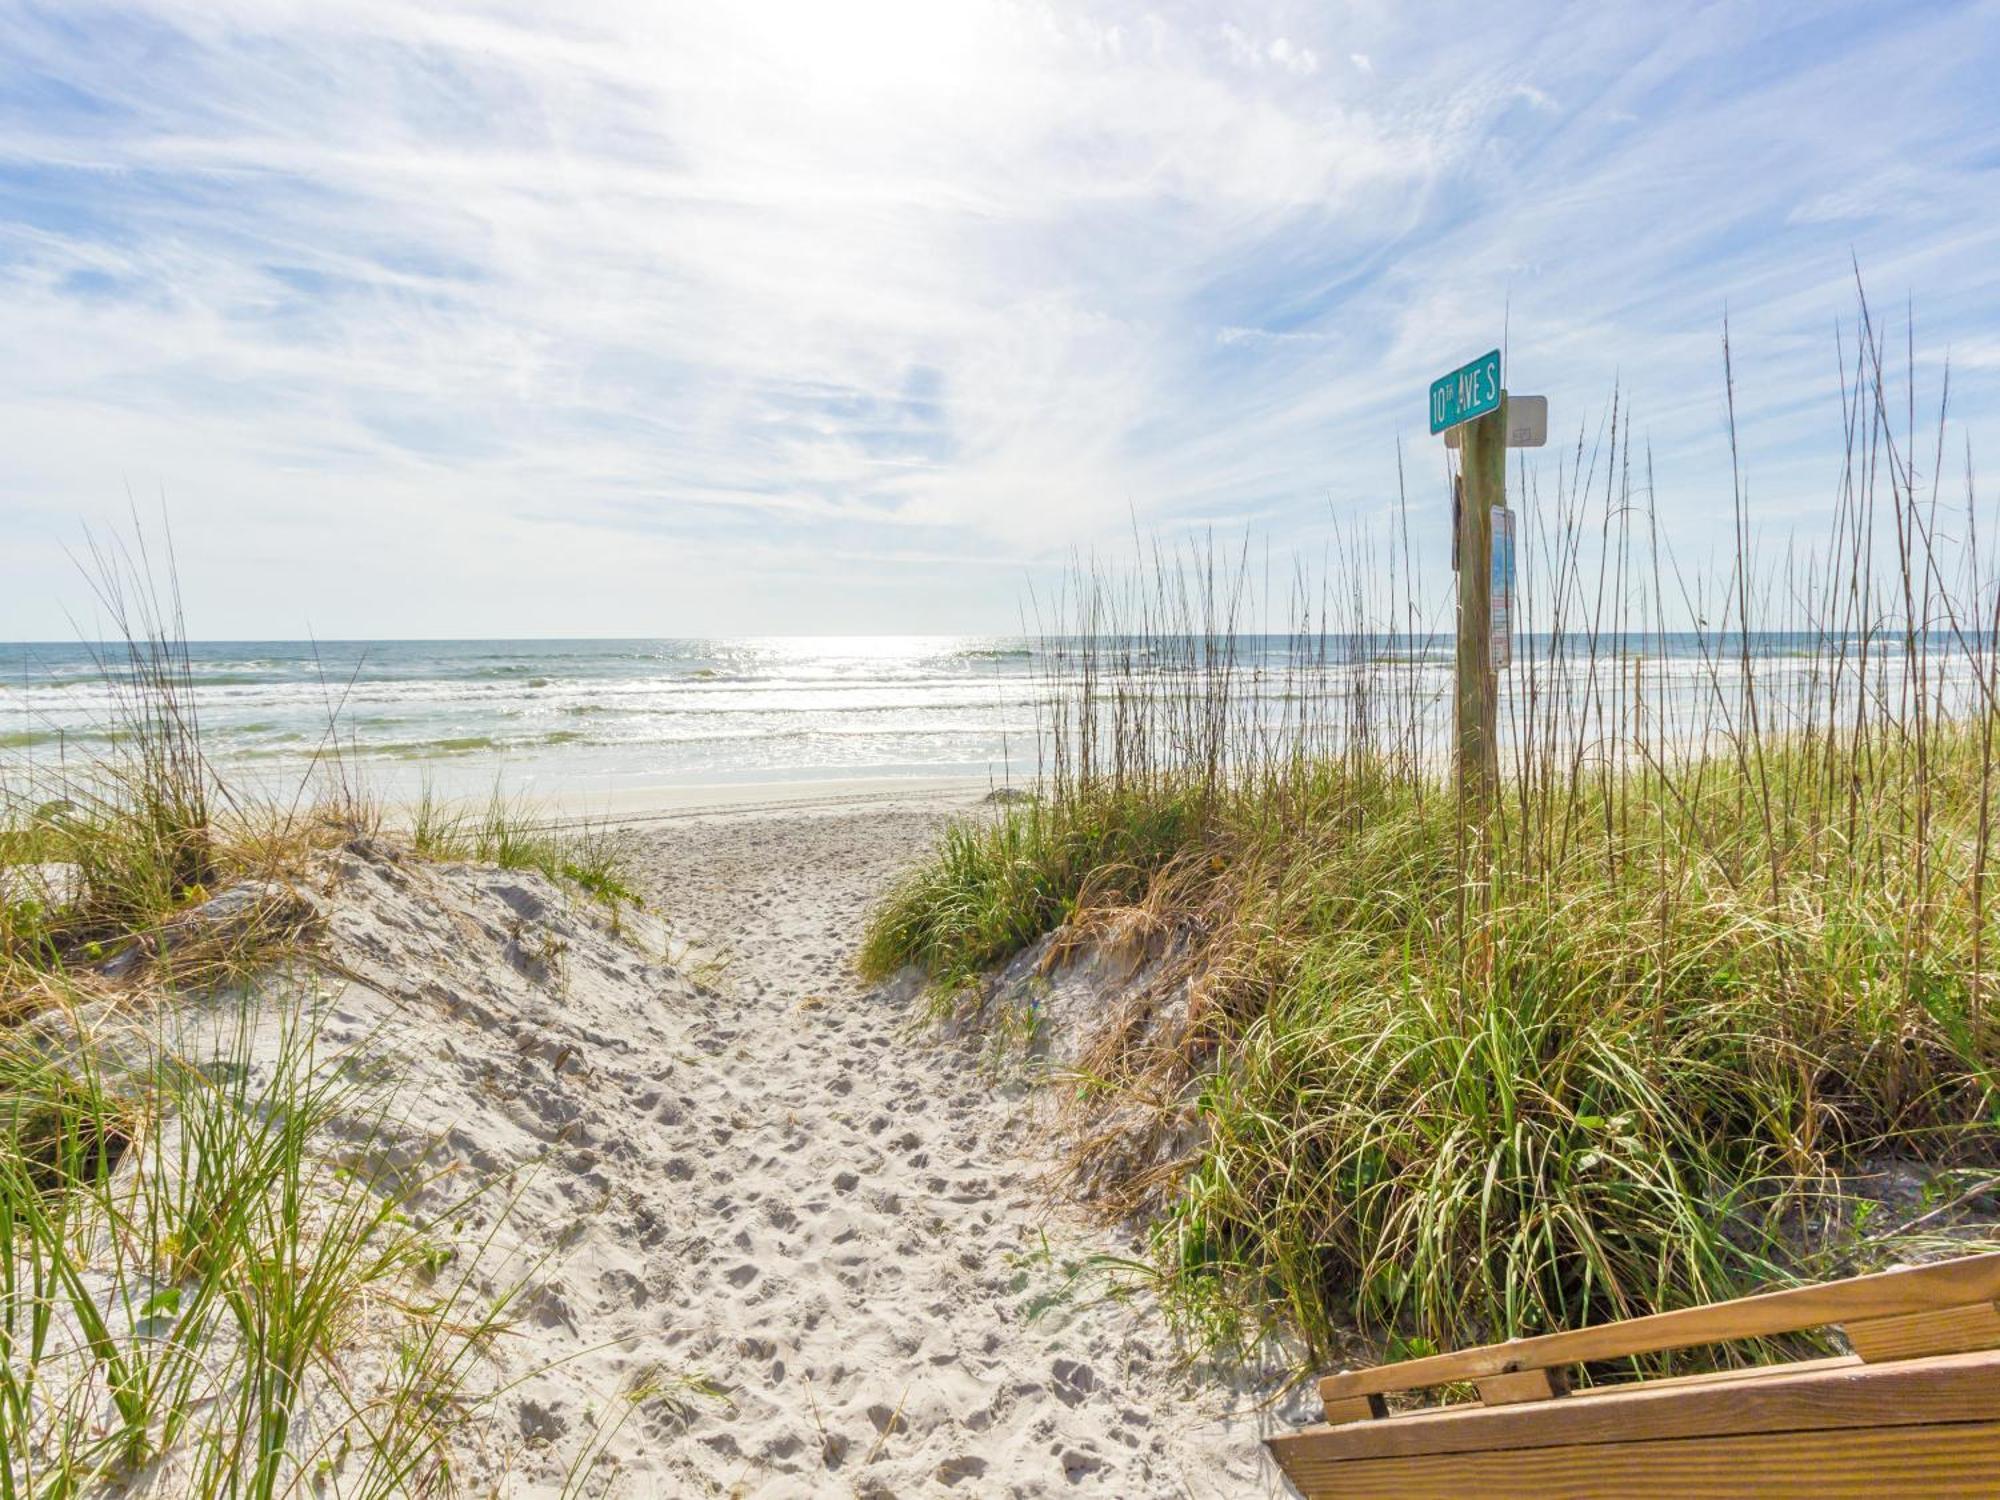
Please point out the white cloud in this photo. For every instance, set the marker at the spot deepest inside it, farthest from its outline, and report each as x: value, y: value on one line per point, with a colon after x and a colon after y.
x: 1246, y: 51
x: 1299, y: 60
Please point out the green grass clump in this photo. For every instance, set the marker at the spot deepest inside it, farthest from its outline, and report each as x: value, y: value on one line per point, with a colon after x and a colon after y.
x: 596, y: 858
x: 186, y: 1254
x: 991, y: 888
x: 100, y: 853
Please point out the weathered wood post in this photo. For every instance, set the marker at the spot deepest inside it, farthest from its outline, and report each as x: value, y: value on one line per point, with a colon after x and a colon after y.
x: 1485, y: 477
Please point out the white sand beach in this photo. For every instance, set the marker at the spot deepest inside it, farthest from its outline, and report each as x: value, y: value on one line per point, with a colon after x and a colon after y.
x: 879, y: 1277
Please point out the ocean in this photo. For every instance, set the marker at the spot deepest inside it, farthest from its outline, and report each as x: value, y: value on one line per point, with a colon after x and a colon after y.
x: 582, y: 716
x: 566, y: 715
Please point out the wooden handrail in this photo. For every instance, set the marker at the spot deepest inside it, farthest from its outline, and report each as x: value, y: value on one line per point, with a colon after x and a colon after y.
x: 1887, y: 1294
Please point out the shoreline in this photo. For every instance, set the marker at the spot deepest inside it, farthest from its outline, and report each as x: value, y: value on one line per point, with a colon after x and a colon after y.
x: 640, y: 806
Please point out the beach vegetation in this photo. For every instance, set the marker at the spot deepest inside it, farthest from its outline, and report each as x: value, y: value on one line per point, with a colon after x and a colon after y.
x: 199, y: 1229
x: 212, y: 1222
x: 595, y: 857
x: 1637, y: 1036
x: 112, y: 855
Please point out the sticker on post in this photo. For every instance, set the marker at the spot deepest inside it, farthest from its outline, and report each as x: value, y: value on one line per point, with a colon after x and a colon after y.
x: 1527, y: 424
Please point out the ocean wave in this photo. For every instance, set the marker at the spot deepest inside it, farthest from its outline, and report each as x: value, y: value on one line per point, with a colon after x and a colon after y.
x: 61, y: 734
x: 455, y: 746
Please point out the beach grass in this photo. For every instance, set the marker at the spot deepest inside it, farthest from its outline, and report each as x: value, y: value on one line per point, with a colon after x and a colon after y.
x: 514, y: 834
x: 1622, y: 1041
x: 204, y: 1213
x: 191, y: 1254
x: 123, y: 849
x: 116, y: 851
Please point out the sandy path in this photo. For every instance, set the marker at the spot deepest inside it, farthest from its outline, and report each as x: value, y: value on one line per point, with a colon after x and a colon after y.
x: 869, y: 1269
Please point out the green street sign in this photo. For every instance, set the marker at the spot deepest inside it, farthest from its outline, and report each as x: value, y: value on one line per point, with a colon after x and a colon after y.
x: 1467, y: 392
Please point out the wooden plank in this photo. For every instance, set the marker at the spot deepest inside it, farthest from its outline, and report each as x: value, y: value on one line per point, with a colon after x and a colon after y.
x: 1517, y: 1386
x: 1959, y: 1461
x: 1841, y: 1393
x: 1723, y: 1377
x: 1359, y: 1409
x: 1944, y: 1330
x: 1912, y: 1289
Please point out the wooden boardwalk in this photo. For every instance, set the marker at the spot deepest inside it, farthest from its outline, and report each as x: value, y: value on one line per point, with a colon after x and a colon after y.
x: 1913, y: 1411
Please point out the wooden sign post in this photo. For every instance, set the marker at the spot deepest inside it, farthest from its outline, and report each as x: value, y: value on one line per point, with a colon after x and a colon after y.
x: 1470, y: 401
x: 1470, y: 407
x: 1485, y: 481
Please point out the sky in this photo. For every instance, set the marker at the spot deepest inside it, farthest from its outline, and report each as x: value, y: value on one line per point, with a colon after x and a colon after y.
x: 518, y: 319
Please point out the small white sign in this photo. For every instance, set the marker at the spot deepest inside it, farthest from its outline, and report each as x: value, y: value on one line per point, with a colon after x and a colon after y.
x: 1527, y: 424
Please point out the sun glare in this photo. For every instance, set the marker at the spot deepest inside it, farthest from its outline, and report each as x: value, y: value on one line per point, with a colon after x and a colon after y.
x: 869, y: 50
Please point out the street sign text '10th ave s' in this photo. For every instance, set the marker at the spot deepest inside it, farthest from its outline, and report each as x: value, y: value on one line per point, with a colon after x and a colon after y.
x: 1467, y: 392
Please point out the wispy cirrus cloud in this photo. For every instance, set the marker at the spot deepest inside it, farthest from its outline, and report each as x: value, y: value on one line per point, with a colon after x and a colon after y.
x: 466, y: 319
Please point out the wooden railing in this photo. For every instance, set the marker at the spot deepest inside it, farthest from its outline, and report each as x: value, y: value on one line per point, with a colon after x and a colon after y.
x: 1914, y: 1410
